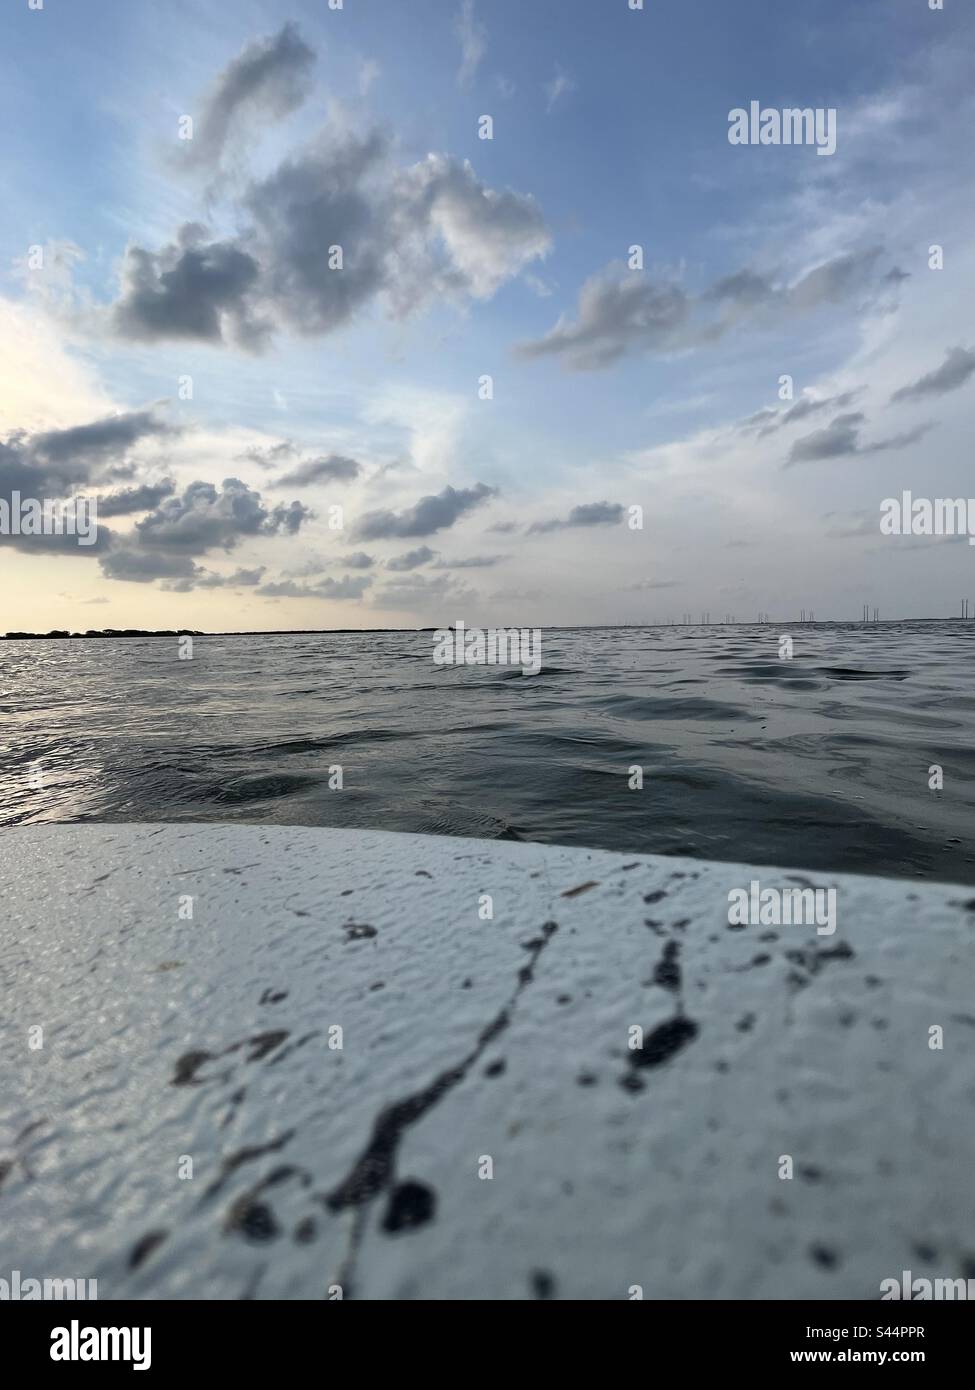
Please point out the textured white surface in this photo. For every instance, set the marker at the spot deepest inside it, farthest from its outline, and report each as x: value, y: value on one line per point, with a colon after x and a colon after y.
x: 166, y: 1038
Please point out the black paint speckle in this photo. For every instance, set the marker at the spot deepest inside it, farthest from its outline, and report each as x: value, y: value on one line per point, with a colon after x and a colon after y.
x: 411, y: 1204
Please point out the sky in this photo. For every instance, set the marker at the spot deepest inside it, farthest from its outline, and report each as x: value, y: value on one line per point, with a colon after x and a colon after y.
x: 328, y: 357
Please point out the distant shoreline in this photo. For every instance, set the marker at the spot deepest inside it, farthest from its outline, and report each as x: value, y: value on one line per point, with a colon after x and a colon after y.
x: 110, y: 632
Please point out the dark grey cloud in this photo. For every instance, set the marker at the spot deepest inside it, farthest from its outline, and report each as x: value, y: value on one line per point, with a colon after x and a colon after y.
x: 208, y: 518
x: 208, y: 579
x: 135, y: 499
x: 955, y: 370
x: 841, y: 437
x: 622, y: 311
x: 424, y: 518
x: 349, y: 587
x: 408, y: 235
x: 266, y: 81
x: 589, y: 514
x: 129, y: 562
x: 53, y: 462
x: 412, y: 559
x: 358, y: 560
x: 203, y: 291
x: 332, y: 469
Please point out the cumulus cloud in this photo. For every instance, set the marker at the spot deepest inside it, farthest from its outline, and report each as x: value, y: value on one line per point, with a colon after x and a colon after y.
x: 53, y: 461
x: 349, y: 587
x: 135, y: 499
x: 358, y: 560
x: 589, y: 514
x: 206, y: 518
x: 431, y: 514
x: 412, y: 559
x: 407, y: 235
x: 958, y: 366
x: 266, y: 81
x: 332, y: 469
x: 208, y: 579
x: 841, y: 437
x: 622, y: 311
x: 192, y: 289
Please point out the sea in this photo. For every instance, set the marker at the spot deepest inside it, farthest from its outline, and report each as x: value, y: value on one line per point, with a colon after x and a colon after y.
x: 854, y: 753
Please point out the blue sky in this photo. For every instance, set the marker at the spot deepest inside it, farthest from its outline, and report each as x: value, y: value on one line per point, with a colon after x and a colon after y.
x: 610, y: 129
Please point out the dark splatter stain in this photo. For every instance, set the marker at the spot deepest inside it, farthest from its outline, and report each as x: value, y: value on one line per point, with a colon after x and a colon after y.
x: 262, y: 1044
x: 745, y: 1023
x: 187, y: 1067
x: 411, y: 1204
x: 358, y: 931
x: 542, y: 1283
x: 579, y: 889
x: 305, y: 1231
x: 246, y: 1155
x: 189, y: 1064
x: 251, y: 1219
x: 373, y: 1170
x: 656, y: 896
x: 495, y: 1068
x: 667, y: 970
x: 380, y: 984
x: 563, y: 999
x: 273, y: 996
x: 422, y: 873
x: 664, y: 1042
x: 466, y: 984
x: 927, y: 1252
x: 824, y: 1256
x: 809, y: 1172
x: 144, y: 1247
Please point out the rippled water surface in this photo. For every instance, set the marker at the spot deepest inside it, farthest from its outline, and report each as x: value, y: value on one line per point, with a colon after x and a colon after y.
x: 821, y: 761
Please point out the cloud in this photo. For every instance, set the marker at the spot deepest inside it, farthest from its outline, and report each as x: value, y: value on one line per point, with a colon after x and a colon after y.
x: 135, y: 499
x: 473, y: 42
x: 407, y: 236
x: 358, y: 560
x: 589, y: 514
x: 958, y: 366
x: 50, y: 462
x: 333, y: 468
x: 424, y: 518
x: 768, y: 421
x: 841, y: 437
x: 561, y: 85
x: 193, y: 290
x: 266, y: 81
x: 269, y: 456
x: 472, y: 562
x: 208, y: 579
x: 349, y: 587
x: 420, y: 594
x: 412, y: 559
x: 165, y: 543
x: 622, y: 311
x: 206, y: 518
